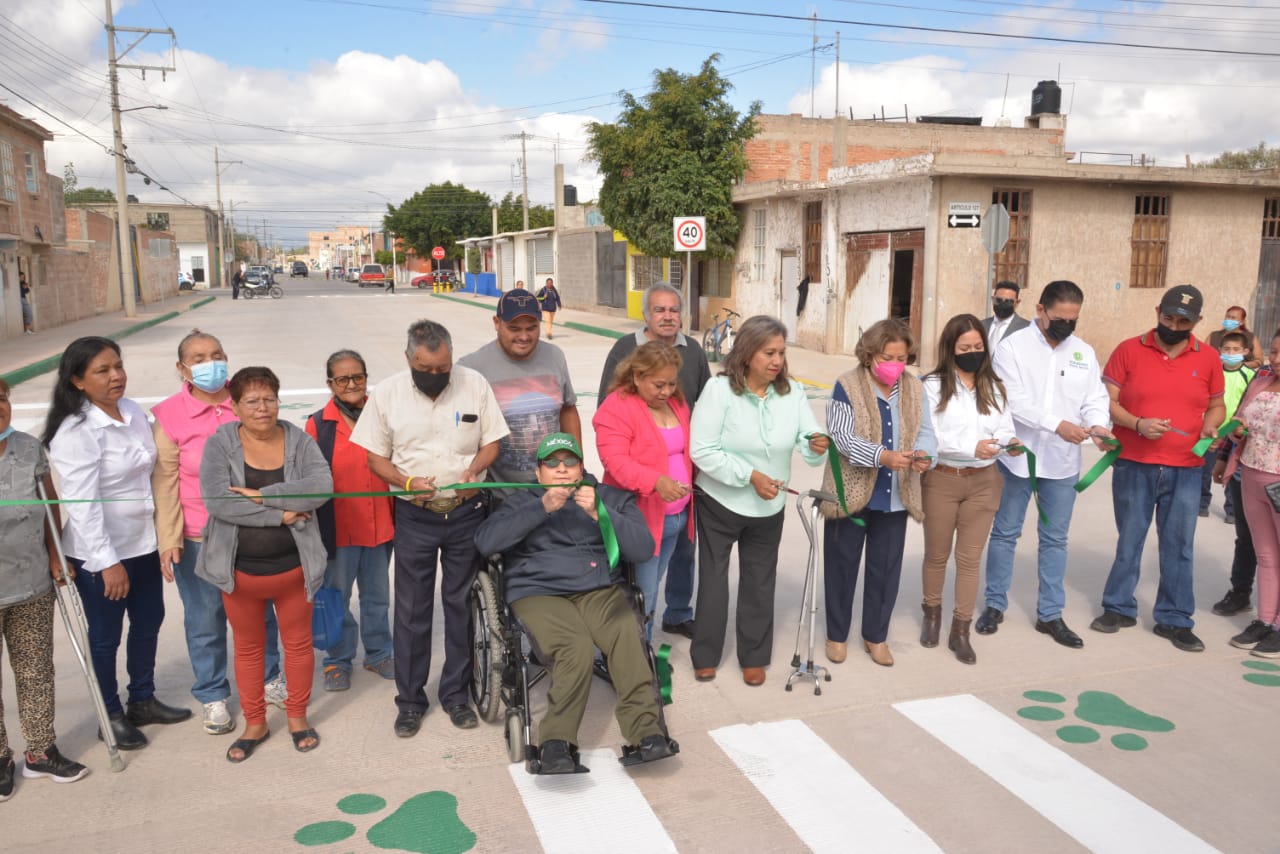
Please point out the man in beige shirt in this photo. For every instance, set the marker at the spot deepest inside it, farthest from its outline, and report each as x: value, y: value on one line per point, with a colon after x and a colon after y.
x: 426, y: 428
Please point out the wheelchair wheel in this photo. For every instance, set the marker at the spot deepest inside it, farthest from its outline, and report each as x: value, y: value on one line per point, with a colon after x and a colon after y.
x: 515, y: 736
x: 487, y: 654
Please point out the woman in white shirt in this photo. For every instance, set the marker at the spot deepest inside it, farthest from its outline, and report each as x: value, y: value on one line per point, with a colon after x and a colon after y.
x: 962, y: 492
x: 101, y: 447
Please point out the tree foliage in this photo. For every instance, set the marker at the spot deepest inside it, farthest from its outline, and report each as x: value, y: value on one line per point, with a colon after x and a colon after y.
x: 384, y: 257
x: 676, y: 152
x: 88, y: 196
x: 69, y: 180
x: 511, y: 215
x: 439, y: 215
x: 1261, y: 156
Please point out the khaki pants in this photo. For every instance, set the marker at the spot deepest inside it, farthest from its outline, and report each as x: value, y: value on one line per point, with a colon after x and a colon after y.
x: 566, y: 631
x: 958, y: 510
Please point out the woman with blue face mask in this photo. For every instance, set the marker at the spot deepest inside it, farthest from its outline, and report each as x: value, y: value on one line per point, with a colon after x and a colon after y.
x: 1234, y: 321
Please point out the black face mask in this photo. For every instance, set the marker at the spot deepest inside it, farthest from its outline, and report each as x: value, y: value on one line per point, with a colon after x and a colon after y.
x: 1172, y: 336
x: 430, y: 384
x: 1002, y: 308
x: 1059, y: 329
x: 352, y: 412
x: 972, y: 361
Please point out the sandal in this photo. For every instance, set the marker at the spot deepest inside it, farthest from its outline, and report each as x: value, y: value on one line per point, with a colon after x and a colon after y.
x: 301, y: 736
x: 246, y: 746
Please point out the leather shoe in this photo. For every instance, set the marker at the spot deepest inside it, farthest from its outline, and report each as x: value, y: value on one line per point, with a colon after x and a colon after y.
x: 557, y: 757
x: 704, y: 674
x: 1060, y: 633
x: 1110, y: 622
x: 753, y: 675
x: 685, y: 628
x: 152, y: 711
x: 408, y: 722
x: 879, y: 653
x: 1180, y: 636
x: 837, y: 652
x: 989, y: 622
x: 127, y: 736
x: 462, y: 716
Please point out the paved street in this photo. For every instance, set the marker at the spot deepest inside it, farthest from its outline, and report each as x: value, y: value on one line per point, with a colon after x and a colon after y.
x: 1036, y: 748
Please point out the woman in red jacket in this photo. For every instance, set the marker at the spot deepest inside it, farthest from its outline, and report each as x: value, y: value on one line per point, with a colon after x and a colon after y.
x: 642, y: 434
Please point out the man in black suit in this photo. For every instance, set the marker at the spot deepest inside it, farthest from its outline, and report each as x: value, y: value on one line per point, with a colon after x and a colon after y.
x: 1004, y: 304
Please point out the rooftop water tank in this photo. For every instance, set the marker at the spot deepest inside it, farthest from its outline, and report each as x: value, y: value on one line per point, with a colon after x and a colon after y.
x: 1046, y: 98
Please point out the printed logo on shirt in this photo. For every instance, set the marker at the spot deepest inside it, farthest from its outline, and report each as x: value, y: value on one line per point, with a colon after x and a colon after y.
x: 1077, y: 360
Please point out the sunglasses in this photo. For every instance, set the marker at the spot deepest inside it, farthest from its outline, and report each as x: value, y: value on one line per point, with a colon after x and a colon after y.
x: 561, y: 462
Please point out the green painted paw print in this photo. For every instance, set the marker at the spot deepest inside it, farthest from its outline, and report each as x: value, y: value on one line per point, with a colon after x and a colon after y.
x: 1270, y: 675
x: 426, y: 823
x: 1102, y: 709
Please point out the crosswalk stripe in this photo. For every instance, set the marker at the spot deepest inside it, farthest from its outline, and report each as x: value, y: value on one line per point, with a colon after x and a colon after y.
x: 1090, y: 808
x: 799, y: 774
x: 589, y: 813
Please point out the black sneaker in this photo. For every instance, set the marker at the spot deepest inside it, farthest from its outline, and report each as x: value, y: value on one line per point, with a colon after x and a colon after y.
x: 556, y: 756
x: 53, y: 765
x: 1252, y: 636
x: 6, y: 778
x: 1182, y: 637
x: 1110, y: 622
x: 1268, y: 647
x: 1233, y: 603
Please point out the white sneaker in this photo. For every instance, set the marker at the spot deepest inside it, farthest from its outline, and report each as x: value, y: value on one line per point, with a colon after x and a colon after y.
x: 217, y: 718
x: 277, y: 691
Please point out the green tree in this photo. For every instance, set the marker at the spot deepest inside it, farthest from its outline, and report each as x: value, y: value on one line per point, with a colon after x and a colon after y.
x: 383, y: 257
x: 676, y: 152
x: 89, y: 196
x: 439, y: 215
x: 1261, y: 156
x: 511, y: 214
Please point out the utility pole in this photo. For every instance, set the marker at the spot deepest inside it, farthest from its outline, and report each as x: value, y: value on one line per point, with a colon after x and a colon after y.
x: 524, y: 177
x: 117, y: 138
x: 222, y: 241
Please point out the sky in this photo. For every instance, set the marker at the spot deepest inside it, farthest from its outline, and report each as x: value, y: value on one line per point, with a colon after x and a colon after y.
x: 323, y: 111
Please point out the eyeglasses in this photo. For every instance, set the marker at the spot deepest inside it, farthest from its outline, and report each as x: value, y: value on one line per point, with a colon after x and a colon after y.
x: 353, y: 379
x: 260, y: 403
x: 561, y: 462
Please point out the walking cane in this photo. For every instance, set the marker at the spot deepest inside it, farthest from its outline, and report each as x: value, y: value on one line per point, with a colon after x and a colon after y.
x: 78, y: 634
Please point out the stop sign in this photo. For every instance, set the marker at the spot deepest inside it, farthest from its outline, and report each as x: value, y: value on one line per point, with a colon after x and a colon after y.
x: 438, y: 253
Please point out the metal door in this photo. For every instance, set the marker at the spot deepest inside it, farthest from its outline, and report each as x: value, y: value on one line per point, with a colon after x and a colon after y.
x: 788, y: 292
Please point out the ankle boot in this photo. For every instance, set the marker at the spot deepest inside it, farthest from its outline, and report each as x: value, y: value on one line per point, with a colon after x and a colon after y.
x: 959, y: 641
x: 931, y: 626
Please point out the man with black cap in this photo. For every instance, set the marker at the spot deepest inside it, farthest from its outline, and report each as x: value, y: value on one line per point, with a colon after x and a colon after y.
x: 1166, y: 394
x: 1003, y: 320
x: 531, y: 382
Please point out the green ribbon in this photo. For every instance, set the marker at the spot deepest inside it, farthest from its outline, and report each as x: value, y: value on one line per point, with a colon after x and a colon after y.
x: 1202, y: 447
x: 607, y: 533
x: 1035, y: 491
x: 662, y: 663
x: 1108, y: 460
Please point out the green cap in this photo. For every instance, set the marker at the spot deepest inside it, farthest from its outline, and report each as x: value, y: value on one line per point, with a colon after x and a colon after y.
x: 559, y: 442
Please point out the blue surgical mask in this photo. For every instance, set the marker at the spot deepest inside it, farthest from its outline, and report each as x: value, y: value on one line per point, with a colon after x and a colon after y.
x: 6, y: 433
x: 1232, y: 358
x: 209, y: 376
x: 1230, y: 323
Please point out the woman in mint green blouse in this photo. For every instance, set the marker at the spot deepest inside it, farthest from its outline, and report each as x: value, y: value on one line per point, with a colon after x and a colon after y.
x: 746, y: 425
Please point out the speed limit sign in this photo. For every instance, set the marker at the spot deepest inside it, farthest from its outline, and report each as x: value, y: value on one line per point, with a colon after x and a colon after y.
x: 690, y: 233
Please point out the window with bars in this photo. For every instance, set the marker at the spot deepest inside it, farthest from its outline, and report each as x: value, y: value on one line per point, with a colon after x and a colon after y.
x: 158, y: 221
x: 717, y: 278
x: 1011, y: 262
x: 813, y: 241
x: 1150, y: 241
x: 645, y: 271
x: 32, y: 164
x: 757, y: 245
x: 675, y: 272
x: 1271, y: 218
x: 6, y: 172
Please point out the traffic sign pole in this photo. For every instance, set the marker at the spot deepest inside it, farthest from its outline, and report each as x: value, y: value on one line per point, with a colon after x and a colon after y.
x: 690, y: 236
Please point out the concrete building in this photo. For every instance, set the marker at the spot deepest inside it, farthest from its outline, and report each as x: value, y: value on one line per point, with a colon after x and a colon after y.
x: 195, y: 233
x: 31, y: 222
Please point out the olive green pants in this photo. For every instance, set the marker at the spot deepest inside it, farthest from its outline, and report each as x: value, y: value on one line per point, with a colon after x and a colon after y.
x: 566, y: 630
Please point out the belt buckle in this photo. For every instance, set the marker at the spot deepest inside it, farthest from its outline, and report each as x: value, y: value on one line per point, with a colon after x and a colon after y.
x: 443, y: 505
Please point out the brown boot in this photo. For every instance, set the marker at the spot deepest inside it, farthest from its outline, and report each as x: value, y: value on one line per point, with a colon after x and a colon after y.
x: 959, y: 641
x: 932, y: 625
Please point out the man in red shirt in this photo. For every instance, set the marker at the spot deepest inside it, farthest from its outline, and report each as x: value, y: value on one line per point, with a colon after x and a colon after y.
x: 1166, y: 394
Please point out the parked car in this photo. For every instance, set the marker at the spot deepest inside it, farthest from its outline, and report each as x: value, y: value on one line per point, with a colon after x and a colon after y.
x: 353, y: 274
x: 443, y: 280
x: 299, y: 268
x: 263, y: 272
x: 185, y: 282
x: 279, y: 268
x: 373, y: 275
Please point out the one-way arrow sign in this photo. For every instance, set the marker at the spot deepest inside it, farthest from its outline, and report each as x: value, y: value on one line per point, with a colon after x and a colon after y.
x: 970, y: 221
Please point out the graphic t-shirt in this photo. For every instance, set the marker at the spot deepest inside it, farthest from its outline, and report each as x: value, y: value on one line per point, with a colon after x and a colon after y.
x: 530, y: 393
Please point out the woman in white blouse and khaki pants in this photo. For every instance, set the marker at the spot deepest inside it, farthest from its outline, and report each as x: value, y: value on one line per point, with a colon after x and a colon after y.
x: 962, y: 492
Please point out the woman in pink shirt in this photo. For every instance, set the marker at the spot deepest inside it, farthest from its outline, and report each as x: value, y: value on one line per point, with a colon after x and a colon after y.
x: 642, y: 434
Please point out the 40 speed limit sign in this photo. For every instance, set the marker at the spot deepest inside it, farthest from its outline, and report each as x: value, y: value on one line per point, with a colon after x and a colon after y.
x: 690, y: 233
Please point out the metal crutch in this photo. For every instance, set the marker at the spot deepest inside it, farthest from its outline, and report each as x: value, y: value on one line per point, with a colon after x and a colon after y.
x: 78, y: 634
x: 809, y: 595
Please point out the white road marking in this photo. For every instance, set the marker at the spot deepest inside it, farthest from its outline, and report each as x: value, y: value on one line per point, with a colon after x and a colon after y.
x: 1088, y: 807
x: 800, y: 774
x: 589, y: 813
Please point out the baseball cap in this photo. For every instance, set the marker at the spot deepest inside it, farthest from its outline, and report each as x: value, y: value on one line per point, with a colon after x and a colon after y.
x: 559, y: 442
x: 517, y: 302
x: 1182, y: 301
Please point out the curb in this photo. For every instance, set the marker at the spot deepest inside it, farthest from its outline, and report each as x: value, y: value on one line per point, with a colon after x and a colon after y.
x: 50, y: 363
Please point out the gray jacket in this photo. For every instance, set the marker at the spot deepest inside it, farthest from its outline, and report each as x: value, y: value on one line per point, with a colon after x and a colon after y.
x: 1018, y: 322
x: 24, y: 561
x: 305, y: 471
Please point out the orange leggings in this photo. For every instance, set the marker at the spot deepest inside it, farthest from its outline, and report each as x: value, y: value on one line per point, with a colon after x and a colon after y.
x: 246, y: 607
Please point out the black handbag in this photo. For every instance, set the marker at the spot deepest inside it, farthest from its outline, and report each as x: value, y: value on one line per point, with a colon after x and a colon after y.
x: 1273, y: 493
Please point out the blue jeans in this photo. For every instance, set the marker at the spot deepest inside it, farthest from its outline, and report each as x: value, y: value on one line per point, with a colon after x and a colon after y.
x: 205, y: 623
x: 680, y: 575
x: 1172, y: 493
x: 1058, y: 499
x: 371, y: 567
x: 649, y: 574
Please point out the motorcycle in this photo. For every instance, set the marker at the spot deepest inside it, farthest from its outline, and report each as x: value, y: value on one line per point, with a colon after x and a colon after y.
x: 255, y: 287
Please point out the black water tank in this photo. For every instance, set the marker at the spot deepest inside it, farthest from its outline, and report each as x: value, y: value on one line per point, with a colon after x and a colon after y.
x: 1046, y: 98
x: 570, y: 195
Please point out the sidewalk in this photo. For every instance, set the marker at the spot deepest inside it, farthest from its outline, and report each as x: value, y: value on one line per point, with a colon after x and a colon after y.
x: 30, y: 356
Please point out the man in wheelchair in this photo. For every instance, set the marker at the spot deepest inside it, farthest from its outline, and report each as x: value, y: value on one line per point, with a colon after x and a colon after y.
x: 561, y: 586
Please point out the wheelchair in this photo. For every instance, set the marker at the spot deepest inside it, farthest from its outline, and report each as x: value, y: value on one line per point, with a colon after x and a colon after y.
x: 504, y: 667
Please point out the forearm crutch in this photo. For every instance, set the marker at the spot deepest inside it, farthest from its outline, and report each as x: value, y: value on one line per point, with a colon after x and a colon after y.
x: 809, y: 593
x: 78, y: 633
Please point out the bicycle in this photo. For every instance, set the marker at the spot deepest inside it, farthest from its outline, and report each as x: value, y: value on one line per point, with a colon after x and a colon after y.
x: 718, y: 340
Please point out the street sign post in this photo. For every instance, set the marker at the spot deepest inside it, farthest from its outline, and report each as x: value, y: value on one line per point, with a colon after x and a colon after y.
x: 964, y: 214
x: 438, y: 253
x: 995, y: 234
x: 690, y: 236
